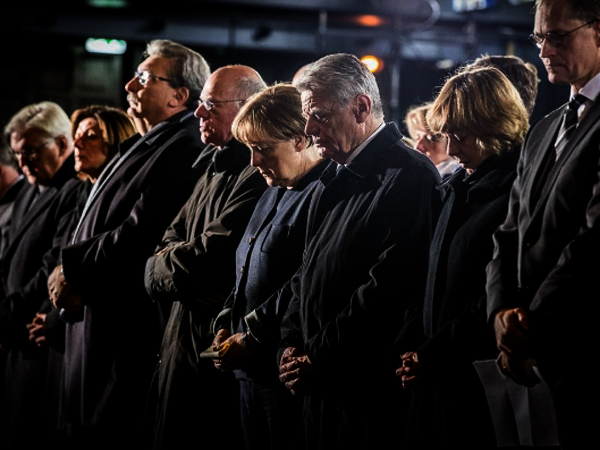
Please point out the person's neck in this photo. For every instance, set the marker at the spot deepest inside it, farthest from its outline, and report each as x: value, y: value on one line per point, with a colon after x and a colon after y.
x: 366, y: 131
x: 311, y: 159
x: 148, y: 124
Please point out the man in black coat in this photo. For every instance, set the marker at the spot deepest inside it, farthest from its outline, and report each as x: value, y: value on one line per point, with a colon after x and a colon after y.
x: 193, y: 270
x: 369, y: 226
x: 542, y: 283
x: 40, y: 138
x: 113, y: 327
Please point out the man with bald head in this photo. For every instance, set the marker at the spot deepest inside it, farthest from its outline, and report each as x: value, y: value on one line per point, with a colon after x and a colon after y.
x: 192, y: 271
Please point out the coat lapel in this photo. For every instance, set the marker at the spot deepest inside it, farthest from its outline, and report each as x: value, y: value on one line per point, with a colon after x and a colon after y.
x: 590, y: 119
x: 33, y: 211
x: 546, y: 150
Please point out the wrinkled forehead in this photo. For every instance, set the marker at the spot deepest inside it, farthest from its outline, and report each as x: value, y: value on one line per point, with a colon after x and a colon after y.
x: 157, y: 65
x: 220, y: 86
x: 28, y: 136
x: 312, y: 100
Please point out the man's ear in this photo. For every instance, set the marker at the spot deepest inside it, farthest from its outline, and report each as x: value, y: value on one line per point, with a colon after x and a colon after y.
x: 180, y: 96
x: 363, y: 107
x: 63, y: 146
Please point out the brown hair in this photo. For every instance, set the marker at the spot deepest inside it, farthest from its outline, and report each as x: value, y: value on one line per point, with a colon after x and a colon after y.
x: 484, y: 103
x: 115, y: 124
x: 521, y: 74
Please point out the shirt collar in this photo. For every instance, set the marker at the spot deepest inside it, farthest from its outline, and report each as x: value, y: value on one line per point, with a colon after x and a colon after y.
x: 591, y: 88
x: 360, y: 148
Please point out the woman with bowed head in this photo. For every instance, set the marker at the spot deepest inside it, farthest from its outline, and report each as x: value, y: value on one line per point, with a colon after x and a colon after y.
x: 247, y: 331
x: 484, y: 122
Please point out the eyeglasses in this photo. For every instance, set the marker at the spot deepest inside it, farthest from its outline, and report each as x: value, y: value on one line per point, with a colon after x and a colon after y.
x: 210, y: 104
x: 144, y: 76
x: 30, y: 153
x: 554, y: 39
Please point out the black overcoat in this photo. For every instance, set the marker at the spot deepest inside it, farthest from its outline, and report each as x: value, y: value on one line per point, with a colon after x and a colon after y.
x: 34, y: 239
x: 193, y: 277
x: 111, y: 347
x: 366, y: 259
x: 450, y: 409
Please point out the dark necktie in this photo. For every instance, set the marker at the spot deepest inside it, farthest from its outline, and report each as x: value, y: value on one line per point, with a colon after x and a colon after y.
x: 570, y: 122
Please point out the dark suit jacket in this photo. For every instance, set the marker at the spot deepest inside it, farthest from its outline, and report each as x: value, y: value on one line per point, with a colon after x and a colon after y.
x: 32, y: 251
x: 110, y: 349
x: 546, y: 252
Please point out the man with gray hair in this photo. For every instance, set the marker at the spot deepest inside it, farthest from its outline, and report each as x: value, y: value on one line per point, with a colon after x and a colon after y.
x: 114, y: 330
x: 369, y: 229
x: 40, y: 139
x: 192, y: 272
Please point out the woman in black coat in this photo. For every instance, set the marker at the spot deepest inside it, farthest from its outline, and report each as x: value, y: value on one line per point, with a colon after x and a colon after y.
x: 483, y: 120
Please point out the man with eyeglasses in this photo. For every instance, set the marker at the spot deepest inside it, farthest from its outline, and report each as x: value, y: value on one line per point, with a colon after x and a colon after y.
x: 113, y: 327
x: 542, y: 283
x: 40, y: 139
x: 192, y: 272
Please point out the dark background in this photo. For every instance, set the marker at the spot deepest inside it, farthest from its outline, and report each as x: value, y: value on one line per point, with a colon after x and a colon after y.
x: 420, y: 41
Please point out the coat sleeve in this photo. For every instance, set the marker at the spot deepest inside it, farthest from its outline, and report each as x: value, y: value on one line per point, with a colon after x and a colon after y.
x: 19, y: 308
x: 265, y: 322
x: 179, y: 272
x: 290, y: 328
x: 501, y: 284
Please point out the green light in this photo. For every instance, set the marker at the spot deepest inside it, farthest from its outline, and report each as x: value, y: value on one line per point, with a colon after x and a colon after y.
x: 108, y: 3
x: 109, y: 46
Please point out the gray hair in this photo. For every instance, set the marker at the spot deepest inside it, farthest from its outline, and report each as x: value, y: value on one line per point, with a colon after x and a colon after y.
x: 248, y: 86
x: 46, y: 117
x: 189, y: 70
x: 341, y: 77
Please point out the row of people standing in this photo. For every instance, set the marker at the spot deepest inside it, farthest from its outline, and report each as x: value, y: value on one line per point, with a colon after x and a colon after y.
x: 366, y: 262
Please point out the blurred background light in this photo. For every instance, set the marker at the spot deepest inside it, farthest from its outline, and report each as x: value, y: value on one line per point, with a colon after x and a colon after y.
x: 374, y: 63
x: 108, y: 46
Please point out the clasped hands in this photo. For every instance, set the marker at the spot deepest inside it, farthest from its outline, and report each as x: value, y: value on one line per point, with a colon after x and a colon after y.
x: 411, y: 371
x: 61, y: 294
x: 296, y: 371
x: 511, y: 327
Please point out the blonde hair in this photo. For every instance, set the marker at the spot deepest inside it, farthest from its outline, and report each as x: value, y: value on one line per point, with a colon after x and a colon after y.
x: 483, y: 103
x: 272, y: 115
x: 416, y: 120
